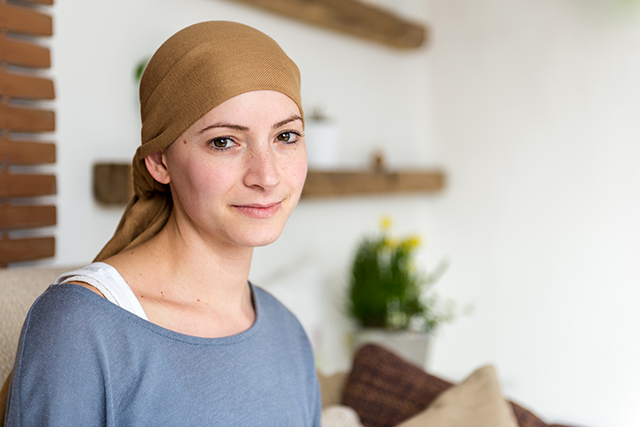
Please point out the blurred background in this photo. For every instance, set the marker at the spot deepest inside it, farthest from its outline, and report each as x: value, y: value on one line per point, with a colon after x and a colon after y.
x: 532, y: 109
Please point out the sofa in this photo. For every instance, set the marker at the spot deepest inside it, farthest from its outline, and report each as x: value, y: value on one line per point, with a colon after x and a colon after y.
x: 381, y: 389
x: 385, y: 390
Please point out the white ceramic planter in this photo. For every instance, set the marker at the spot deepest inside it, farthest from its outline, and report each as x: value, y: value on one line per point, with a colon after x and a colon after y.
x: 412, y: 346
x: 322, y: 139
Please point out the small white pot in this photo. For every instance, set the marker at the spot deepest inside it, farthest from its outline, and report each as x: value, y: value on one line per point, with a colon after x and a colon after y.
x: 323, y: 144
x: 411, y: 346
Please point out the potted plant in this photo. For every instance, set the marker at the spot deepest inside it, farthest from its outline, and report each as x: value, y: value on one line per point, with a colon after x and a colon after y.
x: 390, y: 300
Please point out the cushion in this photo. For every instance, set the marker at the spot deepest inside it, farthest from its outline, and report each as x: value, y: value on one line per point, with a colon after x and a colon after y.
x: 331, y: 388
x: 339, y: 416
x: 476, y: 402
x: 386, y: 390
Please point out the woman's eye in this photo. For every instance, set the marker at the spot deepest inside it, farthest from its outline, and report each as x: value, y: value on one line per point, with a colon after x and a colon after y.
x: 288, y: 137
x: 222, y: 143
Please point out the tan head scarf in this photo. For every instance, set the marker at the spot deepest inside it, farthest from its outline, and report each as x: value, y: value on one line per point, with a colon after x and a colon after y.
x: 194, y: 71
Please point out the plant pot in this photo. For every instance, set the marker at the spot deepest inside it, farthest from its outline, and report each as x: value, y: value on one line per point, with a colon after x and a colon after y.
x: 322, y: 139
x: 412, y: 346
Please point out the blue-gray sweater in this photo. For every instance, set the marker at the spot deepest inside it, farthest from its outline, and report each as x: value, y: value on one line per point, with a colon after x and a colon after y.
x: 83, y: 361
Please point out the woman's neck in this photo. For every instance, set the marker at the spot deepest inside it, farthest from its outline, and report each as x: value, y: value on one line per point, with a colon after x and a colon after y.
x: 189, y: 284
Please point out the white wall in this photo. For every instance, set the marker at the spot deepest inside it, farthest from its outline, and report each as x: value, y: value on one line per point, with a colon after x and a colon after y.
x: 532, y: 106
x: 537, y: 117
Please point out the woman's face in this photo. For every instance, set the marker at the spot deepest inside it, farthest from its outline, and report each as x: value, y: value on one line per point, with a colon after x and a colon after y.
x: 237, y: 173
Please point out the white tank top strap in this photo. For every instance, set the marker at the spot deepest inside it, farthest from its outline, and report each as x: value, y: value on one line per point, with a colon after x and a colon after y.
x: 107, y: 280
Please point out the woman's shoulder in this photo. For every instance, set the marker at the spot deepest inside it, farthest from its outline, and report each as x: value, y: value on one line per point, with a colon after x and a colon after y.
x: 270, y: 305
x: 67, y: 313
x: 64, y: 299
x: 62, y: 308
x: 277, y: 318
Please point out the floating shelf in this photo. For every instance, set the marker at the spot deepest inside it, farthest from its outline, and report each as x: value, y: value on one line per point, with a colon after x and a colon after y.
x: 352, y: 17
x: 112, y: 183
x: 350, y: 183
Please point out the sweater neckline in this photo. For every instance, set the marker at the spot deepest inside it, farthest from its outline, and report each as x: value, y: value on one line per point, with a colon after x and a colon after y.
x: 156, y: 329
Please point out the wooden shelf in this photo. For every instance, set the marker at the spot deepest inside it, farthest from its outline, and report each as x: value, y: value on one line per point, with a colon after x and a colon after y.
x: 351, y: 17
x: 112, y: 183
x: 349, y: 183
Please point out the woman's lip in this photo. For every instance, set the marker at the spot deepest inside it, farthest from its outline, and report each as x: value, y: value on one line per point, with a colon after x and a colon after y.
x: 259, y: 210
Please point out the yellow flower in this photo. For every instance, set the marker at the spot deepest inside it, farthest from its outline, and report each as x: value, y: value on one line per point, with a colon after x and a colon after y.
x: 412, y: 242
x: 392, y: 243
x: 386, y: 222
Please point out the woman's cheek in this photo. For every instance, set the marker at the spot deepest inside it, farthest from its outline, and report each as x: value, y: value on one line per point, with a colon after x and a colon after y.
x: 301, y: 169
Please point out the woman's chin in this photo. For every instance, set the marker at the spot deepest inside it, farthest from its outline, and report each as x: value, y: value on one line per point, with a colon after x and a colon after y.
x: 260, y: 236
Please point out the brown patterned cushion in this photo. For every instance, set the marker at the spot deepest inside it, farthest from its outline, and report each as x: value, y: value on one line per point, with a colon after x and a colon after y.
x: 526, y: 418
x: 385, y: 390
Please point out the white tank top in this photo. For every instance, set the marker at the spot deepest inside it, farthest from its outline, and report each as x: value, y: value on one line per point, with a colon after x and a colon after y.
x: 107, y: 280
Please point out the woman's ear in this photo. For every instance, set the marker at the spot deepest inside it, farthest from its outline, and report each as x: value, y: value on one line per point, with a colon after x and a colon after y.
x: 157, y: 167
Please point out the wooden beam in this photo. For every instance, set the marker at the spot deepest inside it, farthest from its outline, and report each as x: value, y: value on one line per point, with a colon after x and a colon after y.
x: 25, y: 20
x: 26, y: 119
x: 352, y: 17
x: 20, y: 53
x: 21, y: 86
x: 26, y: 152
x: 21, y: 217
x: 25, y: 185
x: 18, y: 250
x: 344, y: 183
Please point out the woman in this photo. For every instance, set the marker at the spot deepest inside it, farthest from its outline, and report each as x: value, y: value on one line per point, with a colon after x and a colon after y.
x: 164, y: 328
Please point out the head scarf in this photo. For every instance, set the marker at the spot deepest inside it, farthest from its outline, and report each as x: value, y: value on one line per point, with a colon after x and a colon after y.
x: 194, y: 71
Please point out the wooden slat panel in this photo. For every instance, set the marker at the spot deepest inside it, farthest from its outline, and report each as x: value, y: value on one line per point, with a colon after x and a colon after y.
x: 24, y: 185
x: 25, y: 87
x: 326, y: 184
x: 25, y: 20
x: 352, y: 17
x: 17, y: 250
x: 26, y: 152
x: 26, y: 119
x: 20, y: 217
x: 17, y: 52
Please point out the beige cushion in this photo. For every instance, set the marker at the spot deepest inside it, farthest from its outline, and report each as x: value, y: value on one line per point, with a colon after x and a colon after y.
x: 339, y: 416
x: 331, y: 388
x: 476, y: 402
x: 19, y: 288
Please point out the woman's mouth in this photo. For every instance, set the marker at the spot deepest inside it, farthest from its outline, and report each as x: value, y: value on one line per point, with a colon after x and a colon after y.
x: 259, y: 210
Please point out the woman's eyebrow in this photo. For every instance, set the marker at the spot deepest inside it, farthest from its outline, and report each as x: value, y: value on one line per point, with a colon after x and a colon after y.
x: 285, y: 121
x: 224, y: 125
x: 244, y: 128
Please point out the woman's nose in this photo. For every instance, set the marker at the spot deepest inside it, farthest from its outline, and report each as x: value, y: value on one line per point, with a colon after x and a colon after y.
x: 262, y: 169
